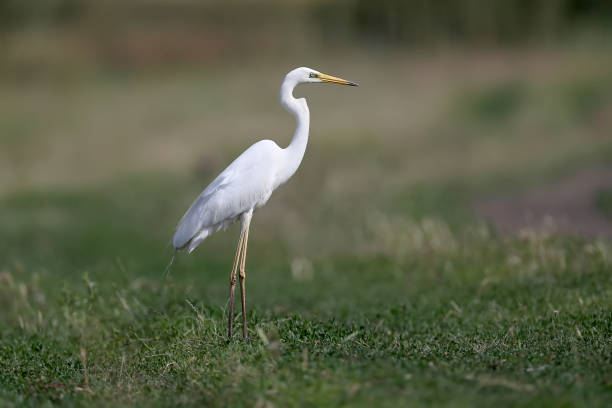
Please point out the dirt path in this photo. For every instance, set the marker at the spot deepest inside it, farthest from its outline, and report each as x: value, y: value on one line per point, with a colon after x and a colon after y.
x: 567, y: 206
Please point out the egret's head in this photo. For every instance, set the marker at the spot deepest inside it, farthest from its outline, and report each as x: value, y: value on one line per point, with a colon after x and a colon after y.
x: 308, y: 75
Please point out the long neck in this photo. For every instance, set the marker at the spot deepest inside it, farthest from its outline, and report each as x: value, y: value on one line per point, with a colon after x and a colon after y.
x: 296, y: 149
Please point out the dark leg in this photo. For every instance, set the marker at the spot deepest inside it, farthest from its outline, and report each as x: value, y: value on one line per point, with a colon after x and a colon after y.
x: 242, y: 281
x: 233, y: 286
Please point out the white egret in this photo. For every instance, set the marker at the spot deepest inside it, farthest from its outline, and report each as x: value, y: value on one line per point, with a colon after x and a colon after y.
x: 247, y: 184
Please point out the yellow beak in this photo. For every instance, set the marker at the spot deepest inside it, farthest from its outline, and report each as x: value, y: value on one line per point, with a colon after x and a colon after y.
x: 335, y: 80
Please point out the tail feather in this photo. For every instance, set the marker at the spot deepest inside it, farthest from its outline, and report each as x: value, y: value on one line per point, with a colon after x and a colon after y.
x: 167, y: 270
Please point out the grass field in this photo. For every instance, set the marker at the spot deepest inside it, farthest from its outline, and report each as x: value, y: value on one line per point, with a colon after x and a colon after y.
x: 371, y: 282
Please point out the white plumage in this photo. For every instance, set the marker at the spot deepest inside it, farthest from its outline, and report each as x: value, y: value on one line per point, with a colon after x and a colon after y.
x: 248, y: 182
x: 244, y: 185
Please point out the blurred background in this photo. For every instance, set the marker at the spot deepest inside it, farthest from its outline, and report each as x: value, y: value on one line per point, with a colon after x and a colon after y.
x: 116, y: 114
x: 446, y: 238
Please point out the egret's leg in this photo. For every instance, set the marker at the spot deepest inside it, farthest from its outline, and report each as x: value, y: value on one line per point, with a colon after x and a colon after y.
x: 233, y: 285
x: 242, y: 282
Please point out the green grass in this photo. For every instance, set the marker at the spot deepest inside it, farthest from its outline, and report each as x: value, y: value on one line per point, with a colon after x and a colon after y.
x: 493, y: 105
x: 603, y: 202
x: 370, y: 280
x: 421, y: 309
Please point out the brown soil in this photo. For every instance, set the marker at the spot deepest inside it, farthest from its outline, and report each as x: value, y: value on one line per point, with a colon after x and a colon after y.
x: 567, y: 206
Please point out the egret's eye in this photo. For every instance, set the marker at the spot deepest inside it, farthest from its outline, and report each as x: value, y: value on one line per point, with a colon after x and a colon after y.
x: 312, y: 75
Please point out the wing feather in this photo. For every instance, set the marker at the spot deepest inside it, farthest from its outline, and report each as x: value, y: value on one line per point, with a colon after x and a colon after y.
x: 200, y: 214
x: 237, y: 189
